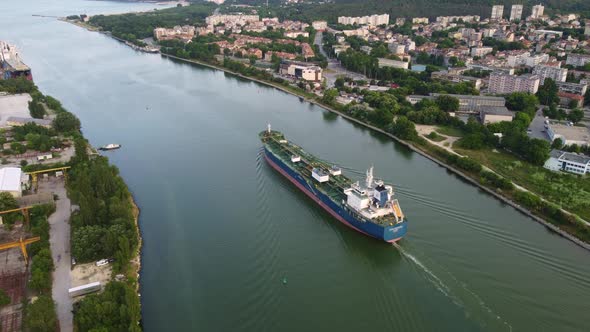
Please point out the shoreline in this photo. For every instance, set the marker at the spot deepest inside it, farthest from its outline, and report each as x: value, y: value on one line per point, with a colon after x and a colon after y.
x: 136, y: 260
x: 407, y: 144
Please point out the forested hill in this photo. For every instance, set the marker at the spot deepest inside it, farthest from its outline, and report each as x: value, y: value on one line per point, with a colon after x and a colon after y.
x: 423, y: 8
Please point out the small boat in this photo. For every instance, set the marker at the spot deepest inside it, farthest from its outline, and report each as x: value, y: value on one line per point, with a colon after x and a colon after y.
x: 110, y: 147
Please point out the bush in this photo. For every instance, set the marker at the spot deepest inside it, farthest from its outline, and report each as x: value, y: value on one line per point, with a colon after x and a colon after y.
x: 4, y: 298
x: 115, y: 309
x: 40, y: 315
x: 41, y: 271
x: 496, y: 180
x: 66, y: 122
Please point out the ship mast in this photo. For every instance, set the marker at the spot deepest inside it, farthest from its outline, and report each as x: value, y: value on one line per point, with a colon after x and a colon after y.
x: 369, y: 179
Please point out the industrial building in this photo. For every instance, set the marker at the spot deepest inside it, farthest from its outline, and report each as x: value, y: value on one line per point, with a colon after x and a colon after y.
x: 568, y: 162
x: 302, y: 70
x: 12, y: 180
x: 467, y: 103
x: 494, y: 114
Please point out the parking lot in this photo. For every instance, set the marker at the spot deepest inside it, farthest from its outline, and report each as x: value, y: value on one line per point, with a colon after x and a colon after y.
x: 537, y: 126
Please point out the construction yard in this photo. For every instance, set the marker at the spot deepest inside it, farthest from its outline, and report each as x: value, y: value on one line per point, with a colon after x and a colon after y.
x: 13, y: 279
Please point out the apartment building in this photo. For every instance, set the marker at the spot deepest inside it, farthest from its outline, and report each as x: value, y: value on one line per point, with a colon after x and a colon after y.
x: 503, y: 83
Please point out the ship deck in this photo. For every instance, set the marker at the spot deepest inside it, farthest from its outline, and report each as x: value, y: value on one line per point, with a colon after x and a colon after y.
x: 334, y: 188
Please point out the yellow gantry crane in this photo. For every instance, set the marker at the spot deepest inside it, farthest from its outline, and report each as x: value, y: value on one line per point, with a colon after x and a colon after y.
x: 24, y: 210
x: 34, y: 180
x: 22, y: 244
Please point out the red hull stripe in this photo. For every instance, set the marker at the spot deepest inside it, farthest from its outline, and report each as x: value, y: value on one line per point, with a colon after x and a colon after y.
x: 312, y: 196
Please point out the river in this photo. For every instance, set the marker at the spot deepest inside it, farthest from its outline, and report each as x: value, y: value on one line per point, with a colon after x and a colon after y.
x: 221, y: 229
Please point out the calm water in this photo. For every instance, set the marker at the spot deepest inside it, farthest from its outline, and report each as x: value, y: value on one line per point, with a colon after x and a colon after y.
x: 221, y: 229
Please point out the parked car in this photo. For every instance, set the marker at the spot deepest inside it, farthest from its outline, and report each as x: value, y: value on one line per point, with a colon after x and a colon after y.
x: 102, y: 262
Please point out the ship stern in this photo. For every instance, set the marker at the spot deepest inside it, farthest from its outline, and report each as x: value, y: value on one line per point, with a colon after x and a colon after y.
x: 395, y: 233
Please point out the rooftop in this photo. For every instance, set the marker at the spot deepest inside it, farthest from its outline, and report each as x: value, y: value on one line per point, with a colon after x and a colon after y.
x: 573, y: 157
x: 10, y: 179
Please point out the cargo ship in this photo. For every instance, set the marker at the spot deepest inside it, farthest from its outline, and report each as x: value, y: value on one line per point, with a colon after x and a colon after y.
x: 368, y: 208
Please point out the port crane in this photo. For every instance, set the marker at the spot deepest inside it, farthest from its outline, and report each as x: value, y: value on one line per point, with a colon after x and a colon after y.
x: 22, y: 244
x: 34, y: 174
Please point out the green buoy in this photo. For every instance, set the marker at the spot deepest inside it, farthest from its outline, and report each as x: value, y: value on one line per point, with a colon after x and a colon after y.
x: 284, y: 280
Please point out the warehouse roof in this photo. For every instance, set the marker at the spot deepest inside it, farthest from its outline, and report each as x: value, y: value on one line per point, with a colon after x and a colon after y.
x: 10, y: 179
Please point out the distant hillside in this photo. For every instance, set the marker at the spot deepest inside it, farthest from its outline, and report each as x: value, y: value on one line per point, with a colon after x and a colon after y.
x: 421, y: 8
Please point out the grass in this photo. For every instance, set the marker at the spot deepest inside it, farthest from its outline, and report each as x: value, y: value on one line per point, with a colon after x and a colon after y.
x: 433, y: 136
x: 571, y: 192
x: 449, y: 131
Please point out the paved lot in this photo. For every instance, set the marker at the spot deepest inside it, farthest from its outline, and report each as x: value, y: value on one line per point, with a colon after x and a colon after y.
x: 537, y: 126
x: 14, y: 105
x: 59, y: 239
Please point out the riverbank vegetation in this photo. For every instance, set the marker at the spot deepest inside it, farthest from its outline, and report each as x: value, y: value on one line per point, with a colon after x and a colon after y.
x: 103, y: 226
x: 136, y: 26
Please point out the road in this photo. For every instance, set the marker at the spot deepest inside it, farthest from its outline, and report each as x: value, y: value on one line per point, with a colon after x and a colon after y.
x: 59, y: 240
x: 537, y: 126
x: 335, y: 69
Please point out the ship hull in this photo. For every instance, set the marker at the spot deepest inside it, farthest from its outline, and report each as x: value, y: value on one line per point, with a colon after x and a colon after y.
x: 389, y: 234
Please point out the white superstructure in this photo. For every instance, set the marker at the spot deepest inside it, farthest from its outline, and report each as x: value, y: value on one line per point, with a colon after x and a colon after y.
x: 373, y: 200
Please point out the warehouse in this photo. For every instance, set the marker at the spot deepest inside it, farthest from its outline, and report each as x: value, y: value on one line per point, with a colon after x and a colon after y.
x: 11, y: 179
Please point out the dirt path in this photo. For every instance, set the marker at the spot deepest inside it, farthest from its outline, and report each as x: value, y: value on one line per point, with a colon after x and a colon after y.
x: 424, y: 130
x: 59, y: 239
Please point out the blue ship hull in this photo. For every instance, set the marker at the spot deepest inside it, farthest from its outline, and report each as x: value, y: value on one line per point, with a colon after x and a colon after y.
x: 386, y: 233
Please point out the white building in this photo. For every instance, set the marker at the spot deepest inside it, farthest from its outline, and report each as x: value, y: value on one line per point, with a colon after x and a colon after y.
x: 587, y: 29
x: 397, y: 48
x: 526, y: 59
x: 569, y: 135
x: 373, y: 20
x: 516, y: 12
x: 420, y: 20
x: 11, y: 181
x: 233, y: 19
x: 302, y: 70
x: 497, y: 12
x: 577, y: 60
x: 555, y: 73
x: 319, y: 25
x: 502, y: 83
x: 481, y: 51
x: 537, y: 11
x: 568, y: 162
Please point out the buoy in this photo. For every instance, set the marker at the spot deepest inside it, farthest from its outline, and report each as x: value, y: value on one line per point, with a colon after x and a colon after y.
x: 284, y: 280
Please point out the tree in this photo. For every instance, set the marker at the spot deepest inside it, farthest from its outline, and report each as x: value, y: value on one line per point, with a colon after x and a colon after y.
x: 66, y: 122
x: 547, y: 93
x: 330, y: 96
x: 404, y: 129
x: 557, y: 144
x: 8, y: 202
x: 537, y: 151
x: 36, y: 109
x: 575, y: 115
x: 522, y: 102
x: 40, y: 315
x: 447, y: 103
